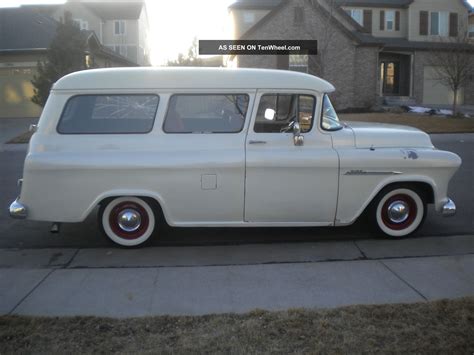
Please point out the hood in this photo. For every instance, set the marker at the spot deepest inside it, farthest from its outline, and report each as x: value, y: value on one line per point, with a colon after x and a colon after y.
x: 381, y: 135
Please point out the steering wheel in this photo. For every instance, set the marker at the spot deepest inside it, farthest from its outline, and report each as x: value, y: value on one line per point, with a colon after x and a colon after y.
x: 290, y: 126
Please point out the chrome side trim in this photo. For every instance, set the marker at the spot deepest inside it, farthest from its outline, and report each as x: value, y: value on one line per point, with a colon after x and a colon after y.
x: 449, y: 208
x: 364, y: 172
x: 18, y: 210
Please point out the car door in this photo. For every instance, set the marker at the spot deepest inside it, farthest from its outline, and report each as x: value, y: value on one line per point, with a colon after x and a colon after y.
x: 288, y: 183
x: 201, y: 157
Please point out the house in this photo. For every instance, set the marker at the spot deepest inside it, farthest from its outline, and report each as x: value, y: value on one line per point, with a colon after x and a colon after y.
x: 27, y: 31
x: 373, y: 51
x: 120, y: 25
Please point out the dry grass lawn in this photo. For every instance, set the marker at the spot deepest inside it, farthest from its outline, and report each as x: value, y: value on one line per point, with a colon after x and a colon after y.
x: 429, y: 124
x: 442, y: 327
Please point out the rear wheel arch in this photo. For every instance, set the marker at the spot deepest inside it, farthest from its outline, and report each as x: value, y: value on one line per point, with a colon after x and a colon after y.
x: 153, y: 201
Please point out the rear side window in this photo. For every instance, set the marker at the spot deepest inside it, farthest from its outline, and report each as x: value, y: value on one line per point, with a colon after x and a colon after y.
x: 209, y: 113
x: 92, y: 114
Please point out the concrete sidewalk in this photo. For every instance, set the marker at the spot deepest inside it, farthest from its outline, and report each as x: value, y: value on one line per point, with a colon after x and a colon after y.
x: 218, y: 279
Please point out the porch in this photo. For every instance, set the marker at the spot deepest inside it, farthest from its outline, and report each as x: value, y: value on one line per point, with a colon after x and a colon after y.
x: 396, y: 78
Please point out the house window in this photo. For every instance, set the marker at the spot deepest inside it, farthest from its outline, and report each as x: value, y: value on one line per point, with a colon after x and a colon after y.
x: 120, y: 49
x: 390, y: 20
x: 298, y: 62
x: 82, y: 24
x: 439, y: 23
x: 471, y: 31
x: 119, y: 27
x: 249, y: 17
x: 356, y: 15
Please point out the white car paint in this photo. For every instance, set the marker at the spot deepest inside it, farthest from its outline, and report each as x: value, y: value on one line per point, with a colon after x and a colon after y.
x: 222, y: 179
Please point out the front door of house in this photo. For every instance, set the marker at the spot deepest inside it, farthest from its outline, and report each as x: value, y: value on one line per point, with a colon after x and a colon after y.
x: 390, y: 72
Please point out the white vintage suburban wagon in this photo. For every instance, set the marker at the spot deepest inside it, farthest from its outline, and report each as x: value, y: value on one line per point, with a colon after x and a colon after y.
x: 221, y: 147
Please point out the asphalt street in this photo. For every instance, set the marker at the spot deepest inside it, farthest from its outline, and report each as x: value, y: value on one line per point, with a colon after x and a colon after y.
x: 28, y: 234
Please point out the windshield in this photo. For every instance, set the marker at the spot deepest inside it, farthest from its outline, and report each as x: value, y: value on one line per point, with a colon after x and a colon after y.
x: 330, y: 121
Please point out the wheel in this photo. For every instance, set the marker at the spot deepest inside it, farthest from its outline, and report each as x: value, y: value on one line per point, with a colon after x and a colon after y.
x: 399, y: 211
x: 127, y: 221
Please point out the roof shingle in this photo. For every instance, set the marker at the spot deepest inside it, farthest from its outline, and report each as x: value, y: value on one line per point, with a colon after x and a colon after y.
x: 24, y: 29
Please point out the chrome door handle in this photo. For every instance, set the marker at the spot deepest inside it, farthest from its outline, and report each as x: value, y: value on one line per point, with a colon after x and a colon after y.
x: 257, y: 142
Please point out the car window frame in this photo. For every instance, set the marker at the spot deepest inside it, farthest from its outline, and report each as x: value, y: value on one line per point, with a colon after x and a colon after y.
x: 315, y: 104
x: 322, y: 116
x: 102, y: 94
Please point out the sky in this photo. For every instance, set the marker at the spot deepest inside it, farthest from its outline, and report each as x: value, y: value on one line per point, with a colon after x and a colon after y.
x: 174, y: 23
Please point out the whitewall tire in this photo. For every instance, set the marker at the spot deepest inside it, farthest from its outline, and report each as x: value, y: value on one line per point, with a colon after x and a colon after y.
x: 127, y: 221
x: 399, y: 212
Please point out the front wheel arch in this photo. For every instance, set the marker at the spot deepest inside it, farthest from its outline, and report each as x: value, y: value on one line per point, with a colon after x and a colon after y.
x: 423, y: 190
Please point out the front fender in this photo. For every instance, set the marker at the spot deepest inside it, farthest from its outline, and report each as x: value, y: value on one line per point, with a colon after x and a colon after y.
x: 364, y: 173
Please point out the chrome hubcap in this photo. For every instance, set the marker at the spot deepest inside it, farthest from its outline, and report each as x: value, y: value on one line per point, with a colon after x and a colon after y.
x: 129, y: 220
x: 398, y: 211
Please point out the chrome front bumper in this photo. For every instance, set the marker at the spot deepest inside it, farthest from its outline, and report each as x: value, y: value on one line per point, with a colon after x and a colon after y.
x: 449, y: 208
x: 18, y: 210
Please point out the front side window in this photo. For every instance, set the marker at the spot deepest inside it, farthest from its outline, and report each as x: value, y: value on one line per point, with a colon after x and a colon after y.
x: 276, y: 112
x: 208, y: 113
x: 329, y: 121
x: 91, y: 114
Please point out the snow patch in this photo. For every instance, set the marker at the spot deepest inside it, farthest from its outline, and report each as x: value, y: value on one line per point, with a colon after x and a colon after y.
x: 429, y: 110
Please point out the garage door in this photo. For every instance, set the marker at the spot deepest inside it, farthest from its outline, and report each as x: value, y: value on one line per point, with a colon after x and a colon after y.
x: 16, y: 91
x: 434, y: 92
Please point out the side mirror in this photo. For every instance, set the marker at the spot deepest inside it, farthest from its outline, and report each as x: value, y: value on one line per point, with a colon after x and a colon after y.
x: 270, y: 114
x: 298, y: 138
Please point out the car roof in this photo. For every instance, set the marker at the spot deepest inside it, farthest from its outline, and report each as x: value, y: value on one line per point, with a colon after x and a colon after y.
x: 190, y: 78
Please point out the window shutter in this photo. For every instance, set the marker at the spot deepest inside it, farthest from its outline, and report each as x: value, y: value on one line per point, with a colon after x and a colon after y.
x: 382, y: 20
x: 423, y: 23
x: 397, y: 20
x: 368, y: 21
x: 453, y: 24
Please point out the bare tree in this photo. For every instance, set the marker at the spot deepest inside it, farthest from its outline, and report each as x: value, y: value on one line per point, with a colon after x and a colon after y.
x: 454, y: 65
